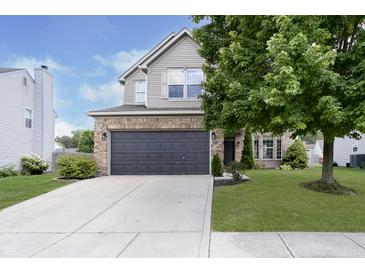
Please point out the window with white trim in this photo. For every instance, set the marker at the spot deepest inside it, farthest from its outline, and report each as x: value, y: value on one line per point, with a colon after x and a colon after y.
x: 28, y: 118
x: 184, y: 83
x: 140, y: 91
x: 256, y: 147
x: 268, y: 147
x: 355, y: 146
x: 278, y: 148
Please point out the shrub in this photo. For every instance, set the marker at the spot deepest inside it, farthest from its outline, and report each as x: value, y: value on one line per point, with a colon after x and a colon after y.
x: 296, y: 155
x: 7, y: 171
x: 247, y: 154
x: 235, y: 168
x: 217, y: 168
x: 86, y: 141
x: 285, y: 167
x: 32, y: 165
x: 76, y: 167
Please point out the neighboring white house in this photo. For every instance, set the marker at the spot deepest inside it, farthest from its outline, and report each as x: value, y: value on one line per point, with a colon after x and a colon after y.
x: 27, y: 117
x: 344, y: 147
x: 314, y: 153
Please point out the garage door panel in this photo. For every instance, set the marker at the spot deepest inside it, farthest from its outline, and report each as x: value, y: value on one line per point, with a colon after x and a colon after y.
x: 160, y: 152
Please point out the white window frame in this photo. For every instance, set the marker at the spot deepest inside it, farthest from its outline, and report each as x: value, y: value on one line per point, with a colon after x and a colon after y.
x: 355, y: 145
x: 31, y: 117
x: 135, y: 91
x: 185, y: 84
x: 267, y: 147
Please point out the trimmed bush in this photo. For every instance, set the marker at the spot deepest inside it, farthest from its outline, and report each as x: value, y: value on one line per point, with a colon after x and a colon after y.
x: 285, y: 167
x: 217, y: 167
x: 7, y: 171
x: 76, y: 167
x: 235, y: 168
x: 247, y: 153
x: 296, y: 155
x: 33, y: 165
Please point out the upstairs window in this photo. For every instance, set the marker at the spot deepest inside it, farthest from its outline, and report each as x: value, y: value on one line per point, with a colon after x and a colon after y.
x: 28, y: 118
x: 140, y: 91
x: 184, y: 83
x: 355, y: 146
x: 268, y: 147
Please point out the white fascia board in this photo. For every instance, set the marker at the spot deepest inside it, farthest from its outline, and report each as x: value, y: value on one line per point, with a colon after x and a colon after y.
x: 161, y: 47
x: 146, y: 113
x: 18, y: 71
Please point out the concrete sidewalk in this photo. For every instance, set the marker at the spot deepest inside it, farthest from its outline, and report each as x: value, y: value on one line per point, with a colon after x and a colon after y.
x: 287, y: 245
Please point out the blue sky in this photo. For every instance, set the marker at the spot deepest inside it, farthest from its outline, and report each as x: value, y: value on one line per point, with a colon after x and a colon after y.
x: 86, y: 54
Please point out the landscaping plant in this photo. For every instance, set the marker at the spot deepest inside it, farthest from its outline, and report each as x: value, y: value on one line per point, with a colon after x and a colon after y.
x: 76, y: 167
x: 8, y: 171
x: 247, y: 153
x: 217, y: 167
x: 33, y: 165
x: 235, y: 168
x: 303, y: 74
x: 296, y: 155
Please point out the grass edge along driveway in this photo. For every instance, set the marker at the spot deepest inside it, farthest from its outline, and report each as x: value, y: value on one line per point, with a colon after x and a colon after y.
x: 16, y: 189
x: 273, y: 201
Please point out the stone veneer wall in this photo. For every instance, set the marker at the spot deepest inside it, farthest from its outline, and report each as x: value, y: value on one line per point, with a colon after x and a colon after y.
x: 178, y: 122
x: 107, y: 124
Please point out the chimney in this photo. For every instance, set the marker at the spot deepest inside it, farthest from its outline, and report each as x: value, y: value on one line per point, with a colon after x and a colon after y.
x: 44, y: 67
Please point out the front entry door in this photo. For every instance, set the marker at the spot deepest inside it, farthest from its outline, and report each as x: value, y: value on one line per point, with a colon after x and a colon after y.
x: 228, y: 150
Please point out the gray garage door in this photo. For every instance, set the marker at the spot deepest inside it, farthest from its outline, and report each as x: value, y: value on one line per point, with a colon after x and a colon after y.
x: 160, y: 152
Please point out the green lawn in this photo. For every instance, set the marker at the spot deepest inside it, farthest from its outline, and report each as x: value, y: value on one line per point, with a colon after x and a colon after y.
x: 16, y: 189
x: 273, y: 201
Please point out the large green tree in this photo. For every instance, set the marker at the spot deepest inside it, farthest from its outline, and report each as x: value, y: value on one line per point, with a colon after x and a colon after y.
x: 301, y: 74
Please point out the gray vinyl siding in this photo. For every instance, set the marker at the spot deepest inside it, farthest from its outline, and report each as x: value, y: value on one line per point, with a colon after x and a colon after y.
x: 129, y: 86
x: 182, y: 54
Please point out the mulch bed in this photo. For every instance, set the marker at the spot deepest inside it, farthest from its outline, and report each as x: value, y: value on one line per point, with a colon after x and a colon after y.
x: 334, y: 188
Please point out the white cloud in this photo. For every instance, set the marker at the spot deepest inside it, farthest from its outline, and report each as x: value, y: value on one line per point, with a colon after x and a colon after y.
x: 63, y: 128
x: 122, y: 60
x: 30, y: 63
x: 109, y: 94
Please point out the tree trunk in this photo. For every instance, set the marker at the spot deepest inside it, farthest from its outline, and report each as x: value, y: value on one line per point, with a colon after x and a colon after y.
x: 327, y: 168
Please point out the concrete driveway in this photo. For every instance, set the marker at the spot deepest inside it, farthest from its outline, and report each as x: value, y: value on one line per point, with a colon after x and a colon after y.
x: 115, y: 216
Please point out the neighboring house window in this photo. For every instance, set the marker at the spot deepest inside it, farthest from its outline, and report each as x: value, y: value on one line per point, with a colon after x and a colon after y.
x: 278, y: 148
x: 140, y: 91
x: 355, y: 147
x: 184, y: 83
x: 28, y: 118
x: 268, y: 147
x: 256, y: 147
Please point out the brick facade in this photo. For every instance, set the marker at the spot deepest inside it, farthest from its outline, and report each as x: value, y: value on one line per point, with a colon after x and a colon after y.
x: 177, y: 122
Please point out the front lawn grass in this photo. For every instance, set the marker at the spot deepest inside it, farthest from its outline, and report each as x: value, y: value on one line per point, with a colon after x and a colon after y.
x: 19, y: 188
x: 273, y: 201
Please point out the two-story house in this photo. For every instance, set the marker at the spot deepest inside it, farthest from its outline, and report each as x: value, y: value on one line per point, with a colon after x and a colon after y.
x: 27, y: 118
x: 159, y: 128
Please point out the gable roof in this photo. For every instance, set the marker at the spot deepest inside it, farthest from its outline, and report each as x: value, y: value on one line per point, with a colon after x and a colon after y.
x: 5, y: 70
x: 10, y: 70
x: 156, y: 51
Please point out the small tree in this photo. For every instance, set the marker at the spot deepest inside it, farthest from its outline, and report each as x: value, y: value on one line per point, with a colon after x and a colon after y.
x: 296, y: 155
x: 86, y: 141
x: 217, y: 168
x: 247, y: 154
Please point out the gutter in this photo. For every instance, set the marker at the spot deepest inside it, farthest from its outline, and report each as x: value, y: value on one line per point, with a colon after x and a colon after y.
x: 147, y: 113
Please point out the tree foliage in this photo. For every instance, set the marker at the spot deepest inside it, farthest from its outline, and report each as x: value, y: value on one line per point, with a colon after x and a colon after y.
x: 301, y: 74
x: 86, y: 141
x: 247, y: 153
